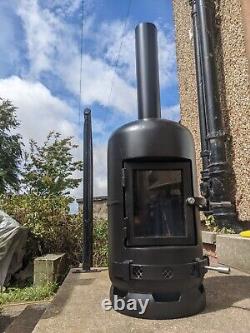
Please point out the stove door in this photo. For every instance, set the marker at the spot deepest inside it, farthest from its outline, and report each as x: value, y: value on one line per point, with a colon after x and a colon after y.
x: 155, y: 202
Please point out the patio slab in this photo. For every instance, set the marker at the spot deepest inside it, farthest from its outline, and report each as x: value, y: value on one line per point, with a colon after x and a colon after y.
x: 77, y: 308
x: 233, y: 250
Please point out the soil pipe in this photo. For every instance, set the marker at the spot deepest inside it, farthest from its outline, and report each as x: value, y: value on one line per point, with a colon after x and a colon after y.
x: 219, y: 176
x: 204, y: 186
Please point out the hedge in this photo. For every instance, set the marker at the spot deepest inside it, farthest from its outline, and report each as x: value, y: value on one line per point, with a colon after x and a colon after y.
x: 52, y: 229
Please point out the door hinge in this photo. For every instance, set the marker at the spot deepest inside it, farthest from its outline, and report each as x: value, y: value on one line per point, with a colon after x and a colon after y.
x: 124, y: 177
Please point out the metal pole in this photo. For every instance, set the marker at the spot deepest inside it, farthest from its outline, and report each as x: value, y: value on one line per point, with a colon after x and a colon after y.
x: 219, y: 195
x: 87, y: 193
x: 204, y: 186
x: 147, y: 70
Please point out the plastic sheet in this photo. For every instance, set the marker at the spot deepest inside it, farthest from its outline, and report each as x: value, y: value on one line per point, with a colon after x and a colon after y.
x: 12, y: 241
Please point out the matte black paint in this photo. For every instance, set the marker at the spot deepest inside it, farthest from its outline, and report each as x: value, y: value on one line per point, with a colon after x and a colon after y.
x: 168, y: 273
x: 217, y: 172
x: 204, y: 186
x: 87, y: 193
x: 147, y: 71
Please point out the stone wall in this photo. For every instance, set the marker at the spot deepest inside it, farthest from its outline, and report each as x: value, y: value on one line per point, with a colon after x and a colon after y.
x: 232, y: 67
x: 100, y: 209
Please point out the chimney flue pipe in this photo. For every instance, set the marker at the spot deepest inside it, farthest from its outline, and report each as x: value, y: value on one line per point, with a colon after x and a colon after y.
x: 147, y: 68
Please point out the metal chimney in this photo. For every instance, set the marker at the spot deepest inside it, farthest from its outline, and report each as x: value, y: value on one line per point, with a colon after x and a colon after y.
x: 148, y: 90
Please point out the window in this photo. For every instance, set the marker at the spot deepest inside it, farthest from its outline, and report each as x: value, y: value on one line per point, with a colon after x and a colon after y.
x: 155, y: 204
x: 158, y: 203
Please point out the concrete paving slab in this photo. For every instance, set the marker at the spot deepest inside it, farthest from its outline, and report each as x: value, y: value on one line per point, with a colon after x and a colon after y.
x: 233, y: 250
x: 8, y: 314
x: 27, y: 320
x: 209, y: 237
x: 77, y: 308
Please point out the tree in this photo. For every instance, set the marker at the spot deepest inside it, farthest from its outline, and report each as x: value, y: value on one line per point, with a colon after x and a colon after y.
x: 10, y: 148
x: 49, y: 169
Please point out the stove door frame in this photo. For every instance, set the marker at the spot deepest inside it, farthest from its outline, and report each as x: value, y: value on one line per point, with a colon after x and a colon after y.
x: 189, y: 211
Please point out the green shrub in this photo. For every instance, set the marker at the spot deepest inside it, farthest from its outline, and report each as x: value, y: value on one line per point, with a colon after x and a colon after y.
x: 212, y: 226
x: 100, y: 247
x: 52, y: 229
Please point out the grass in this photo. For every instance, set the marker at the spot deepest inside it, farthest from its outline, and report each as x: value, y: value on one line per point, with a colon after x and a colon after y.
x: 28, y: 294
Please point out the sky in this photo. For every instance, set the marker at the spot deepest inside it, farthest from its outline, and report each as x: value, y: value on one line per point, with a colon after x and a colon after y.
x: 40, y: 61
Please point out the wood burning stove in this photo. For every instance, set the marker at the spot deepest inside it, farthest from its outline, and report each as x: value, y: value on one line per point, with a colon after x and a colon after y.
x: 155, y: 249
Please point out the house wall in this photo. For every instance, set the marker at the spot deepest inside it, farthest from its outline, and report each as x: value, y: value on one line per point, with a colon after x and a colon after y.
x: 245, y: 4
x: 233, y: 76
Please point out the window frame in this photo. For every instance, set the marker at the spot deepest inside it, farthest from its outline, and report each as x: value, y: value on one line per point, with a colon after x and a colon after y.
x: 189, y: 213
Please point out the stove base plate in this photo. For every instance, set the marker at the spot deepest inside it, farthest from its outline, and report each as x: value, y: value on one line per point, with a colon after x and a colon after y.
x: 159, y: 306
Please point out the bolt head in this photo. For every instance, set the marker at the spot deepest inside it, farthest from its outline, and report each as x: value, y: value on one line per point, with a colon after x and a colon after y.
x: 191, y: 201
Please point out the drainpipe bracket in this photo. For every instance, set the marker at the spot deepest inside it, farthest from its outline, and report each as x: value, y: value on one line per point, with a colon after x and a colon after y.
x: 216, y: 134
x: 204, y: 153
x: 224, y: 204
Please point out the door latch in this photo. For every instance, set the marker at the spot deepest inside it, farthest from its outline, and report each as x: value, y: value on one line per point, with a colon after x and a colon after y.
x: 197, y: 201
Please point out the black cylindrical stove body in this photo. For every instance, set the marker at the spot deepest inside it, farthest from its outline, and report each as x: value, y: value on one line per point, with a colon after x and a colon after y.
x: 155, y: 248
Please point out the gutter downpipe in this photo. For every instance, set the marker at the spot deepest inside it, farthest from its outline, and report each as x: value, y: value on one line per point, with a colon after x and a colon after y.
x: 219, y: 198
x: 204, y: 186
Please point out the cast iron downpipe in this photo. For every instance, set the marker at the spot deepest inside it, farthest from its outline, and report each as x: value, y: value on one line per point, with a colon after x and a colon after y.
x: 219, y: 186
x: 87, y: 193
x: 204, y: 186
